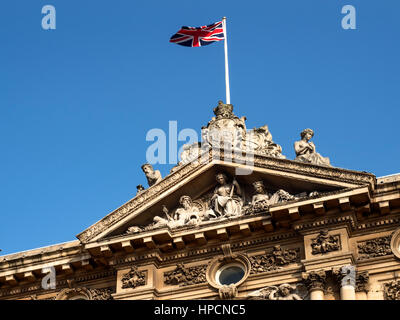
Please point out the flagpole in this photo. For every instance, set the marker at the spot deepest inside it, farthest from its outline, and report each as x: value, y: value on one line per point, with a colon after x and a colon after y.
x: 228, y: 93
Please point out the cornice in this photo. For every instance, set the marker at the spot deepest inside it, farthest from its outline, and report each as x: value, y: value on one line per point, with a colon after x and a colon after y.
x: 60, y: 284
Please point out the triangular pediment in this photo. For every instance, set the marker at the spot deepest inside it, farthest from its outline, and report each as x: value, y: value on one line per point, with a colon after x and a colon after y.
x: 197, y: 180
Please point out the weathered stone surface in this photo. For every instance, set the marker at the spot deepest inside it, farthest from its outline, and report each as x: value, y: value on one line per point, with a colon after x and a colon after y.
x: 133, y: 278
x: 275, y: 259
x: 305, y: 150
x: 374, y: 248
x: 325, y: 243
x: 186, y: 276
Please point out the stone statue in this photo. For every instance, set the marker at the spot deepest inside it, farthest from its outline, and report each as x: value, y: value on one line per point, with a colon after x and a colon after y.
x: 188, y: 214
x: 153, y: 176
x: 226, y: 200
x: 133, y: 229
x: 190, y: 152
x: 283, y: 292
x: 305, y: 150
x: 281, y: 196
x: 261, y: 195
x: 139, y: 189
x: 260, y: 141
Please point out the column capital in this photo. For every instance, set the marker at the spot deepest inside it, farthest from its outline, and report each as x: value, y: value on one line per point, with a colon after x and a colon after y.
x: 315, y: 280
x: 362, y: 279
x: 346, y: 275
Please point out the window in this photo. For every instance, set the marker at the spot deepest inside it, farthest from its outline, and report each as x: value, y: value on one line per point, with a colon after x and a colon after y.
x: 230, y: 274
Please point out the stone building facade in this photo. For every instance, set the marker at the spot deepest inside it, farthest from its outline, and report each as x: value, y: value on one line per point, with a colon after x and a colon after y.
x: 234, y: 219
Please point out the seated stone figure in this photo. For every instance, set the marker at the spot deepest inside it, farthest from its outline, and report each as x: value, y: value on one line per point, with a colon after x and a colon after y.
x: 226, y: 200
x: 305, y: 150
x: 262, y: 196
x: 153, y: 176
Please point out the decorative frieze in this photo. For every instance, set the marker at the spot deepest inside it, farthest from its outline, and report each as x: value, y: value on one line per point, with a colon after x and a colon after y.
x: 101, y: 294
x: 325, y: 243
x: 274, y: 260
x: 185, y: 276
x: 374, y: 248
x: 82, y: 293
x: 392, y: 290
x: 133, y: 278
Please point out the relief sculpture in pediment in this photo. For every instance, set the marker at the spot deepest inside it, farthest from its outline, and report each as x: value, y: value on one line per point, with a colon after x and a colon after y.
x: 226, y: 201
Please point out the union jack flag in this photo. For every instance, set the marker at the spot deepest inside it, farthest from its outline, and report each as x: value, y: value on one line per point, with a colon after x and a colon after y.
x: 197, y: 37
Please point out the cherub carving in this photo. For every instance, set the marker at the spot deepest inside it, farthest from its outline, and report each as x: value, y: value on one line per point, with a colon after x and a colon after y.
x: 324, y: 243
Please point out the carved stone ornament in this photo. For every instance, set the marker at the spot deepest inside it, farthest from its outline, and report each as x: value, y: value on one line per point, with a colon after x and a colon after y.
x: 153, y: 176
x: 315, y: 280
x: 228, y: 292
x: 259, y: 140
x: 190, y: 152
x: 374, y: 248
x: 226, y: 201
x: 139, y: 189
x: 133, y: 278
x: 276, y: 259
x: 362, y: 280
x: 261, y: 200
x: 392, y: 290
x: 227, y: 260
x: 84, y: 294
x: 185, y: 276
x: 186, y: 215
x: 345, y: 275
x: 225, y: 130
x: 186, y: 171
x: 395, y: 243
x: 282, y: 292
x: 325, y: 243
x: 305, y: 150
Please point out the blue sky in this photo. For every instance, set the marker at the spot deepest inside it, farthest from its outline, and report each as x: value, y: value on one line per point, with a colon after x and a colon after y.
x: 76, y: 102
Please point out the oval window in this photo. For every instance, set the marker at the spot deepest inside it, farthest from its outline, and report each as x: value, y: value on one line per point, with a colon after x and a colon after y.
x: 230, y: 274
